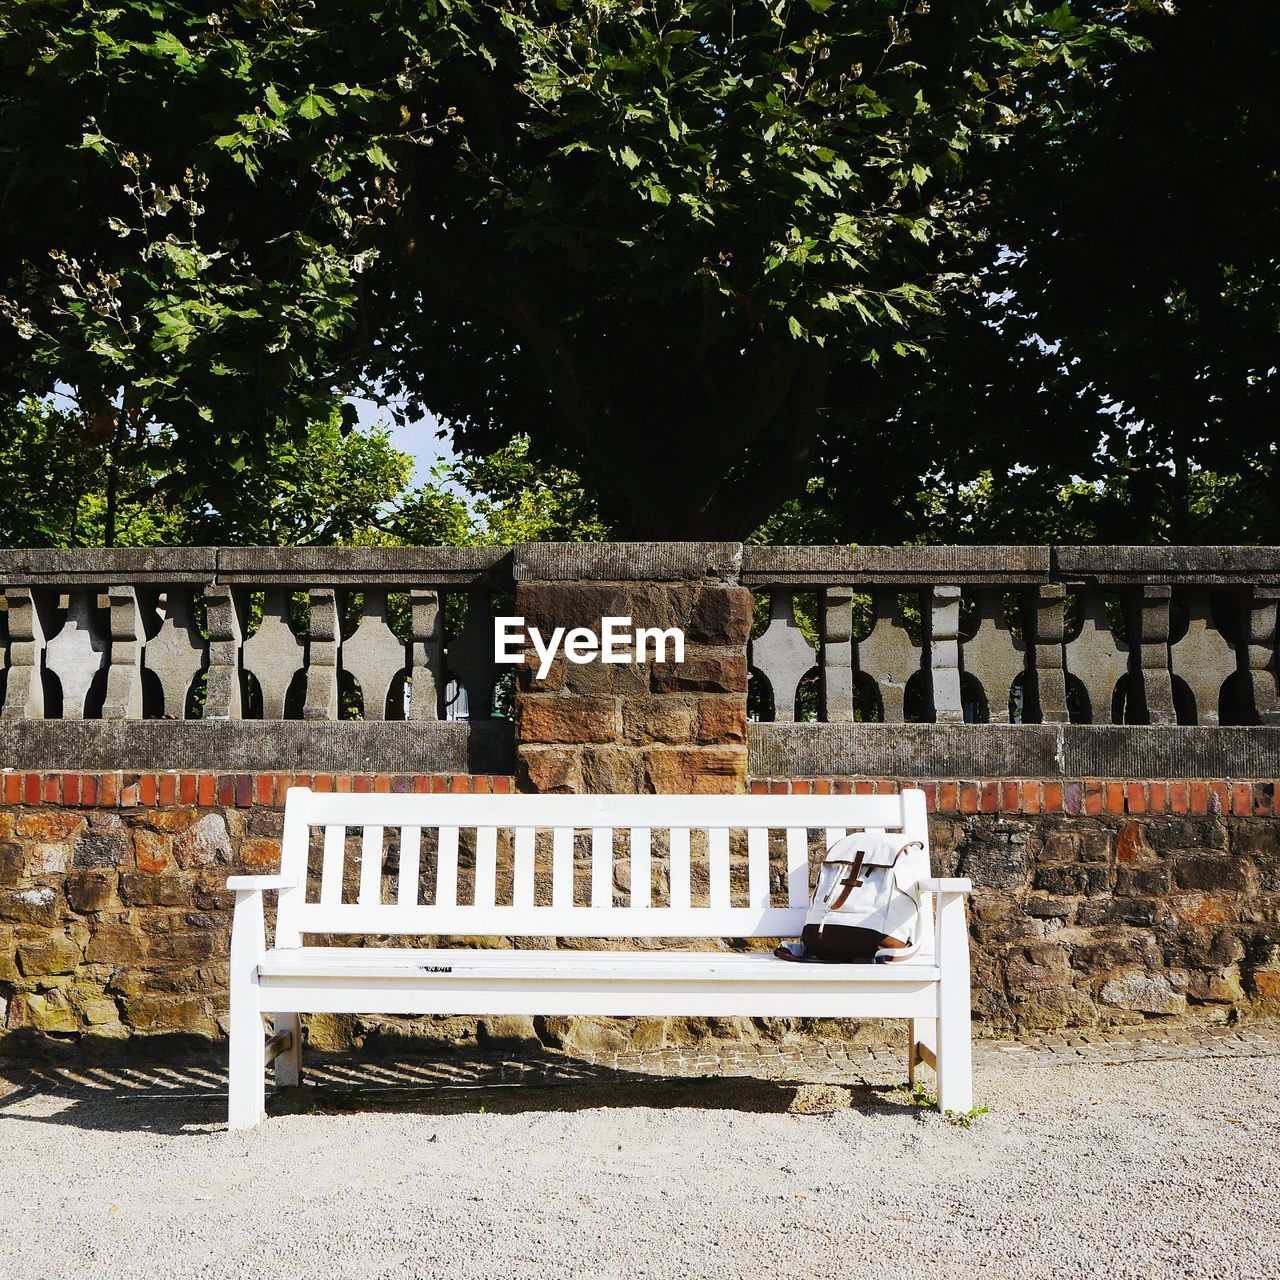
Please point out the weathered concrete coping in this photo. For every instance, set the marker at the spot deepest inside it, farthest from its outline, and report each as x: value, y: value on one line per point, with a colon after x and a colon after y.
x: 628, y: 561
x: 1228, y: 566
x: 1012, y: 751
x: 899, y: 566
x: 364, y: 566
x: 300, y: 567
x: 261, y: 746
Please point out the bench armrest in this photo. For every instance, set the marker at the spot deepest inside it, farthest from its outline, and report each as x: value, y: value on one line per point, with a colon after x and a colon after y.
x: 947, y: 884
x: 245, y: 884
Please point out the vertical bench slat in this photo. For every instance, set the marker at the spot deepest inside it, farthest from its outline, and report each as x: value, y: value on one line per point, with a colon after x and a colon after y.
x: 758, y: 867
x: 602, y: 866
x: 410, y: 864
x: 522, y: 889
x: 797, y: 867
x: 680, y: 867
x: 562, y: 867
x: 718, y: 868
x: 335, y: 840
x: 834, y: 834
x: 486, y: 865
x: 371, y: 867
x: 640, y: 871
x: 447, y: 867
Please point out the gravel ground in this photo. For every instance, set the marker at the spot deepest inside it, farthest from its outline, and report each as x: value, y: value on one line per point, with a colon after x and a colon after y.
x: 1168, y: 1168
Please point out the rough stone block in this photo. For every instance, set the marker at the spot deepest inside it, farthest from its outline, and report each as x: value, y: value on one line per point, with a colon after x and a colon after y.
x: 49, y: 825
x: 205, y: 842
x: 48, y: 1011
x: 550, y: 769
x: 555, y: 719
x: 151, y: 850
x: 696, y: 770
x: 144, y: 889
x: 41, y: 904
x: 611, y: 771
x: 1146, y: 992
x: 102, y: 848
x: 176, y: 1013
x: 90, y: 890
x: 116, y: 944
x: 1195, y: 872
x: 721, y: 720
x: 51, y: 955
x: 648, y: 720
x: 722, y: 616
x: 701, y: 672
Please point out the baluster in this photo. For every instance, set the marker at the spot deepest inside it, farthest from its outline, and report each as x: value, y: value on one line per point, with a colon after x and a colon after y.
x: 425, y: 655
x: 470, y: 656
x: 1097, y: 657
x: 375, y: 655
x: 943, y: 637
x: 123, y: 700
x: 321, y: 701
x: 995, y: 657
x: 1045, y: 625
x: 274, y: 653
x: 222, y: 687
x: 1261, y: 653
x: 24, y: 688
x: 1203, y: 658
x: 782, y: 655
x: 77, y: 653
x: 889, y: 654
x: 837, y: 655
x: 1149, y: 657
x: 176, y: 653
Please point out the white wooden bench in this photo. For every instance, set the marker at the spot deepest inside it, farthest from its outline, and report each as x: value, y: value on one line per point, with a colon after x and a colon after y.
x: 931, y: 991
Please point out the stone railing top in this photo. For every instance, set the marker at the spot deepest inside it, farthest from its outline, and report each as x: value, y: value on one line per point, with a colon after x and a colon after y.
x: 898, y: 565
x: 794, y: 566
x: 627, y: 561
x: 257, y: 566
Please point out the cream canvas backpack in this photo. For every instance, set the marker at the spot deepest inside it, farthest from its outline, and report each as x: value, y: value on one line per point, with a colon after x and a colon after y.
x: 870, y: 881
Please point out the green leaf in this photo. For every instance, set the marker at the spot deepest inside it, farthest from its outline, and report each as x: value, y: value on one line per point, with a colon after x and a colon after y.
x: 629, y: 157
x: 312, y: 105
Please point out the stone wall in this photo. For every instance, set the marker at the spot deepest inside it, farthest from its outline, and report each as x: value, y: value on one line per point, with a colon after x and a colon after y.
x: 1106, y: 901
x: 114, y: 913
x: 1096, y: 902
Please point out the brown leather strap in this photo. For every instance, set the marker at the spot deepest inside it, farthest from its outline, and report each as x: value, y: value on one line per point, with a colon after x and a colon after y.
x: 849, y: 883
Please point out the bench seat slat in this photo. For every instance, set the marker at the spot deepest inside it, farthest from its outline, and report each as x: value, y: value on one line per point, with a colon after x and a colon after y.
x: 522, y: 876
x: 679, y: 869
x: 641, y: 870
x: 555, y: 922
x: 410, y: 866
x: 335, y: 839
x: 371, y: 867
x: 447, y: 867
x: 552, y: 966
x: 486, y: 881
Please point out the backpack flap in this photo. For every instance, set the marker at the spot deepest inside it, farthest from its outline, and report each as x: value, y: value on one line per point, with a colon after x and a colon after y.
x: 878, y: 848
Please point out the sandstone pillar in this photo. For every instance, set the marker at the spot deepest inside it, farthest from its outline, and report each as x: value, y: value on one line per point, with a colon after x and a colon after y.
x: 628, y: 727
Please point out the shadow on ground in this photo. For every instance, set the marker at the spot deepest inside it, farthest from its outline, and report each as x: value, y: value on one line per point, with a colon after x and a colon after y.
x: 191, y: 1098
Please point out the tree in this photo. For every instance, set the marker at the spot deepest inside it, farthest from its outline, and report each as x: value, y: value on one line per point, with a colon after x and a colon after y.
x: 1112, y: 376
x: 674, y: 243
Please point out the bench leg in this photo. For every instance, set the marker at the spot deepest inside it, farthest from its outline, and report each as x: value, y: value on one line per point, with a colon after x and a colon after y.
x: 955, y: 1041
x: 289, y: 1063
x: 247, y: 1054
x: 922, y: 1033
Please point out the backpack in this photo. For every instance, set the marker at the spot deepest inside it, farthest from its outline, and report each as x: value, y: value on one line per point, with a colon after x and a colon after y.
x: 868, y: 889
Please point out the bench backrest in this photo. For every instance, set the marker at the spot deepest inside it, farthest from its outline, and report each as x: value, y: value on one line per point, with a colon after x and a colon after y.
x: 629, y: 866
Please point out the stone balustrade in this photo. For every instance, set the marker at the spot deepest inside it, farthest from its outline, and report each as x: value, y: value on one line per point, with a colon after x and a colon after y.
x: 1021, y: 635
x: 262, y: 658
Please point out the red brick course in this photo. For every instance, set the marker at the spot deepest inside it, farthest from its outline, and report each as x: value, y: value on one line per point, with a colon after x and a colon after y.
x: 122, y: 790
